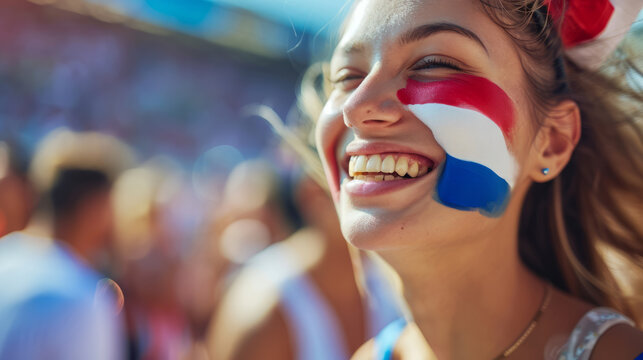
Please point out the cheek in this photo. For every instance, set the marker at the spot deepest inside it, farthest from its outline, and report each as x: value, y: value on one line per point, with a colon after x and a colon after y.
x: 472, y: 119
x: 328, y: 132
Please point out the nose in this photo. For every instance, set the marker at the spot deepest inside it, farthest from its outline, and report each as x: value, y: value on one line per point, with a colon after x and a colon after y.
x: 373, y: 105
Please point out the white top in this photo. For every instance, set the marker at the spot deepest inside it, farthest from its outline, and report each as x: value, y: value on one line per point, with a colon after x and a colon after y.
x: 49, y: 306
x: 589, y: 329
x: 579, y: 345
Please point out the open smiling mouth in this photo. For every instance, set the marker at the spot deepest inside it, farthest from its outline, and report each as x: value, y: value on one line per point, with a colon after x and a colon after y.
x: 388, y: 167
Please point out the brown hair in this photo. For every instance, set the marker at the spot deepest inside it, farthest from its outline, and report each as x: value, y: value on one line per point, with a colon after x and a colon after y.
x: 573, y: 227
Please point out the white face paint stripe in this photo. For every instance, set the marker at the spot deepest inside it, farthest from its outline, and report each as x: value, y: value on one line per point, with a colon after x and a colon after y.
x: 469, y: 135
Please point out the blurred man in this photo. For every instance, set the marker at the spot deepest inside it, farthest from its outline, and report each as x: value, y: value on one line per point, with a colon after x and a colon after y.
x: 54, y: 305
x: 81, y: 212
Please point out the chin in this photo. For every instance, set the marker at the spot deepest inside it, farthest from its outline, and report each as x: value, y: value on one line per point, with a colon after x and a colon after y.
x: 380, y: 228
x: 366, y: 231
x: 425, y: 225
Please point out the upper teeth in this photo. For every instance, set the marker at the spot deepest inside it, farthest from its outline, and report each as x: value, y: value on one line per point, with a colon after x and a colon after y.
x: 390, y: 164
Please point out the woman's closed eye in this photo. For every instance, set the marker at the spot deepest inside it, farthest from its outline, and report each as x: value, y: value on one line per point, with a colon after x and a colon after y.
x: 347, y: 79
x: 434, y: 63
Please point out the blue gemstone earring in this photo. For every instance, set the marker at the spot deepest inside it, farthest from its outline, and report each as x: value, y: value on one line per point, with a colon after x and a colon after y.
x: 545, y: 171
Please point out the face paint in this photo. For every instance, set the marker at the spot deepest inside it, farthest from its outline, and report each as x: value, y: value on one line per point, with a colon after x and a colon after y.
x: 470, y: 117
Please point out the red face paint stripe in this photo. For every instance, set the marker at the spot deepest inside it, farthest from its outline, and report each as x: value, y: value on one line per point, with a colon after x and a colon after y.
x: 465, y: 91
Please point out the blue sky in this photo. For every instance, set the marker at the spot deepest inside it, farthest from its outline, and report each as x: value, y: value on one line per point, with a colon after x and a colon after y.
x: 311, y: 15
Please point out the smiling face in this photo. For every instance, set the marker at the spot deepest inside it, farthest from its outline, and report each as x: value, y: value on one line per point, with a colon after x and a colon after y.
x: 427, y: 132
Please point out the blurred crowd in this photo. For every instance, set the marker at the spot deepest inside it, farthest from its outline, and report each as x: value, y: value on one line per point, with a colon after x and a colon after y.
x: 145, y: 215
x: 95, y: 255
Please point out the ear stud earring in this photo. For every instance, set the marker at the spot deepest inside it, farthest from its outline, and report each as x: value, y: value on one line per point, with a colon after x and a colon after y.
x: 545, y: 171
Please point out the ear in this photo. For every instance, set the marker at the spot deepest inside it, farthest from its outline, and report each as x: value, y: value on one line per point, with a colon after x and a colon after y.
x: 556, y: 140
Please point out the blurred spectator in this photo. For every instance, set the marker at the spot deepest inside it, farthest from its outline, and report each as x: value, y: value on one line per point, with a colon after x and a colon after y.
x: 252, y: 214
x: 254, y: 196
x: 309, y: 306
x: 54, y: 305
x: 16, y: 193
x: 147, y: 246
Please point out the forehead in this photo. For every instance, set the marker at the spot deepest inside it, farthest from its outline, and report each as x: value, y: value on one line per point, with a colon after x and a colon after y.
x: 374, y: 22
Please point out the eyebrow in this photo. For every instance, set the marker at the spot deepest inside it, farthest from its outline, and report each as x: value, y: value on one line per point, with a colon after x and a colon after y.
x: 427, y: 30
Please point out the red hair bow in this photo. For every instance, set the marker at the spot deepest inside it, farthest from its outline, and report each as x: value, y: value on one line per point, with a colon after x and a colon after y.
x: 592, y: 29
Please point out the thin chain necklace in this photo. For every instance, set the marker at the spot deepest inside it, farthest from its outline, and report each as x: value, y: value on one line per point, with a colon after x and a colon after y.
x: 530, y: 327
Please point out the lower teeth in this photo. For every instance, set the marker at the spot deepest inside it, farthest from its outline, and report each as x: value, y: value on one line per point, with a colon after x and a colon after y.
x: 382, y: 177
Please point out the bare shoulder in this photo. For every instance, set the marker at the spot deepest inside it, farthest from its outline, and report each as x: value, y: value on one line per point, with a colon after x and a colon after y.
x: 563, y: 314
x: 366, y: 351
x: 569, y: 306
x: 240, y: 326
x: 409, y: 345
x: 621, y: 341
x: 269, y: 340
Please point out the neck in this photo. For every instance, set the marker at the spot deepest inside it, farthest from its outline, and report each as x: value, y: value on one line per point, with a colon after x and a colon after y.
x: 470, y: 300
x: 75, y: 240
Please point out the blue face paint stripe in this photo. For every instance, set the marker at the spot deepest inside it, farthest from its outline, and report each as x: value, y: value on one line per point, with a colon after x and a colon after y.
x: 466, y: 185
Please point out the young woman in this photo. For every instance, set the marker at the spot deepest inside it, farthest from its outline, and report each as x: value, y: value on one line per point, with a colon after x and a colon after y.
x: 492, y: 172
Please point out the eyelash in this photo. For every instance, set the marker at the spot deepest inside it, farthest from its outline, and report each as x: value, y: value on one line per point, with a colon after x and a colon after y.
x: 431, y: 63
x: 347, y: 77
